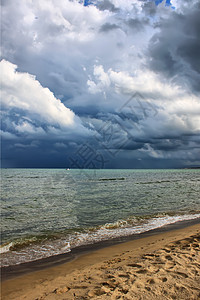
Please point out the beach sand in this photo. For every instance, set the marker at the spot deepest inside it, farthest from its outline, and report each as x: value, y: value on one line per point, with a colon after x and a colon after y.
x: 161, y: 266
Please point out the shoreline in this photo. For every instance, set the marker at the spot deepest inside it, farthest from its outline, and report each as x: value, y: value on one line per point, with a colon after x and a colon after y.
x: 83, y: 275
x: 13, y: 271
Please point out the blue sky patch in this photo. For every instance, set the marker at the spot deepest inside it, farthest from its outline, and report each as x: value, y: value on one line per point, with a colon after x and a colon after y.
x: 167, y: 3
x: 87, y: 2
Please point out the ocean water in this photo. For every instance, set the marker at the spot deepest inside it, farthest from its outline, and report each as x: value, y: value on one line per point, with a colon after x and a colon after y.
x: 45, y: 212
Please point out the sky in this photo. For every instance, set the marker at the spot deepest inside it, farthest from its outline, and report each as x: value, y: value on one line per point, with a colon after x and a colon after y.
x: 100, y: 84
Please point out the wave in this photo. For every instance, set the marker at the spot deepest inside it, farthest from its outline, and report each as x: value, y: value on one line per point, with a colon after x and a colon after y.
x: 31, y: 249
x: 6, y: 247
x: 16, y: 255
x: 111, y: 179
x: 157, y: 181
x: 123, y: 228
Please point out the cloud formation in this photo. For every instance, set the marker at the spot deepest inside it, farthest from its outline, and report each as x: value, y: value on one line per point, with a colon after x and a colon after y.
x: 120, y: 76
x: 174, y: 50
x: 23, y: 91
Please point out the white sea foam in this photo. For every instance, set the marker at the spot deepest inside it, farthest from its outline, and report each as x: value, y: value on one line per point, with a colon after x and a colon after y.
x: 5, y: 248
x: 105, y: 232
x: 67, y: 248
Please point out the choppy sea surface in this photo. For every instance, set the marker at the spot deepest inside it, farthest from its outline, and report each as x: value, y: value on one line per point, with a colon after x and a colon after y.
x: 45, y: 212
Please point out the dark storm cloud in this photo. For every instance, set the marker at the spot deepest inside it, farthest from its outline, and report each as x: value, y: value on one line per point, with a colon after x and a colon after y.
x: 190, y: 53
x: 107, y: 5
x: 174, y: 51
x: 149, y: 8
x: 108, y: 27
x: 136, y: 24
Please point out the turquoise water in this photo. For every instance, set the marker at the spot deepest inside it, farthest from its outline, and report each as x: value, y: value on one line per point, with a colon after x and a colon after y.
x: 49, y: 211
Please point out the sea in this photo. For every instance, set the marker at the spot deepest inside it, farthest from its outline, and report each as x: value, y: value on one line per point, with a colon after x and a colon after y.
x: 46, y: 212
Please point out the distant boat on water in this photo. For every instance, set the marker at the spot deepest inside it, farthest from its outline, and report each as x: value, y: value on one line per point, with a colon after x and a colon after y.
x: 67, y: 169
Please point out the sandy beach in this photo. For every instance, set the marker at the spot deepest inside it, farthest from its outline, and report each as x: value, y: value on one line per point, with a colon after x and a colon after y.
x: 161, y: 266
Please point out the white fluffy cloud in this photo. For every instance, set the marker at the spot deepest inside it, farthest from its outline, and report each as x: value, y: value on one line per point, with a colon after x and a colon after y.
x: 173, y: 107
x: 23, y: 91
x: 34, y: 105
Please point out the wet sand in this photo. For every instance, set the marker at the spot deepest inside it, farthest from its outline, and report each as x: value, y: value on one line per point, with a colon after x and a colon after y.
x: 161, y: 266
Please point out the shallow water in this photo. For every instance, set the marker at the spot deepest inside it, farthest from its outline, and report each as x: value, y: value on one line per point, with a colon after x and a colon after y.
x: 49, y: 211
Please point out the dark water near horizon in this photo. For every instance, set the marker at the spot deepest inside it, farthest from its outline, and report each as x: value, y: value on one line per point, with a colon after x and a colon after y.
x: 45, y: 212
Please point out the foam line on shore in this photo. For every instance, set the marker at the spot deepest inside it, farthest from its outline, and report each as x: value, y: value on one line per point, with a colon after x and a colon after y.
x: 18, y: 270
